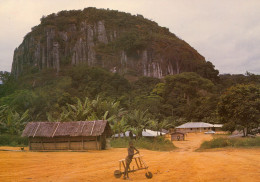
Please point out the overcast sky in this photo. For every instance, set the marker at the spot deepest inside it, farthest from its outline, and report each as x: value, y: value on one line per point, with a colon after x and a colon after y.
x: 225, y: 32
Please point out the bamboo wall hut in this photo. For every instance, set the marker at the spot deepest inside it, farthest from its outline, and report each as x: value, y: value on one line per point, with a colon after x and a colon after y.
x: 177, y: 136
x: 76, y: 135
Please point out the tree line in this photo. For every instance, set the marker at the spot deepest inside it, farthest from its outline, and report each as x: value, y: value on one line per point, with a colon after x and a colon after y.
x: 86, y: 93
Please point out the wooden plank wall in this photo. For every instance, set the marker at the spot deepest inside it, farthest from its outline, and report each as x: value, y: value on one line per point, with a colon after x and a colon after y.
x: 80, y: 143
x: 175, y: 137
x: 194, y: 130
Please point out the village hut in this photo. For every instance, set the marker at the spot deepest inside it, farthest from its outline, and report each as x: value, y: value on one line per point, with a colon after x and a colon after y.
x: 177, y: 136
x: 194, y: 127
x: 76, y: 135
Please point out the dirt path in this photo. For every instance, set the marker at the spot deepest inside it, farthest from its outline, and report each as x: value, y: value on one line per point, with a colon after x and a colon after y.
x: 192, y: 142
x: 225, y: 165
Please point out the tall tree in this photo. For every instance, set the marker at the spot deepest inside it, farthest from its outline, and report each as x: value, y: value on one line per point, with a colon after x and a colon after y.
x: 8, y: 83
x: 187, y: 85
x: 207, y: 70
x: 240, y: 104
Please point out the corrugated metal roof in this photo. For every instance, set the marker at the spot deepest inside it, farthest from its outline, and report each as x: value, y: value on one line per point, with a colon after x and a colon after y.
x: 151, y: 133
x: 217, y: 125
x: 74, y: 128
x: 122, y: 134
x: 145, y: 133
x: 196, y: 125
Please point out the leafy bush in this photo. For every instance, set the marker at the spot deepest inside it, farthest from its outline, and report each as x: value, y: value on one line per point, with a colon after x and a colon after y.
x: 231, y: 142
x: 13, y: 140
x: 158, y: 143
x: 247, y: 142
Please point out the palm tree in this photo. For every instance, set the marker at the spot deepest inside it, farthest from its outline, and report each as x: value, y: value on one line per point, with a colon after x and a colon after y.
x: 139, y: 121
x: 120, y: 126
x: 159, y: 125
x: 165, y: 124
x: 11, y: 121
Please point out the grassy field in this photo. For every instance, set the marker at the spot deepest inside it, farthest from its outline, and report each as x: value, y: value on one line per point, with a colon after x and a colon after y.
x: 13, y: 140
x: 224, y: 141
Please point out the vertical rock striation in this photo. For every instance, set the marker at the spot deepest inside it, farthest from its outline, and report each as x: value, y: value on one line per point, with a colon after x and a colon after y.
x: 98, y: 43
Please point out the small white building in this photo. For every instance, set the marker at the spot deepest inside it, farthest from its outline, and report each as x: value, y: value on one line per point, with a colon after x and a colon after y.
x: 145, y: 133
x: 195, y: 127
x: 151, y: 133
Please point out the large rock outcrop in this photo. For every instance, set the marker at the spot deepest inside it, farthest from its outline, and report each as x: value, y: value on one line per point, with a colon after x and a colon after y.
x: 114, y: 40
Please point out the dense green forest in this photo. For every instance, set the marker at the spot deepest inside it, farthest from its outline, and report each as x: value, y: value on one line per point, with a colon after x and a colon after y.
x: 88, y: 93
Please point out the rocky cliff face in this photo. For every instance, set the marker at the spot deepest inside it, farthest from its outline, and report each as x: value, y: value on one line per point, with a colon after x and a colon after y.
x: 116, y: 41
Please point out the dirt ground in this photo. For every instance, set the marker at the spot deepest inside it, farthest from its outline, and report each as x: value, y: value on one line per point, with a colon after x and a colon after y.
x: 183, y: 164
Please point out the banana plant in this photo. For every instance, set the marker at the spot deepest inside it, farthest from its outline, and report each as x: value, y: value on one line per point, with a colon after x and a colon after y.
x: 96, y: 109
x: 11, y: 121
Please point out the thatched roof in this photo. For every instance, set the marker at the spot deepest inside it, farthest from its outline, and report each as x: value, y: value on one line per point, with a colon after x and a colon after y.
x: 74, y: 128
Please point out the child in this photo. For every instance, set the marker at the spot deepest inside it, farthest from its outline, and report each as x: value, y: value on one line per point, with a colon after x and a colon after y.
x: 129, y: 158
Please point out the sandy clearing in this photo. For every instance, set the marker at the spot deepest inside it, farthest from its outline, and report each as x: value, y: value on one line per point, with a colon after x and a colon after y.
x: 183, y: 164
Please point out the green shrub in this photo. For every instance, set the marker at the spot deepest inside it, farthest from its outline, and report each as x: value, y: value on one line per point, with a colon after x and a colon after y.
x: 13, y: 140
x: 247, y: 142
x: 231, y: 142
x: 158, y: 143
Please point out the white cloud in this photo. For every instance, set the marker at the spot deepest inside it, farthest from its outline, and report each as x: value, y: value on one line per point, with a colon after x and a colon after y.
x: 227, y: 33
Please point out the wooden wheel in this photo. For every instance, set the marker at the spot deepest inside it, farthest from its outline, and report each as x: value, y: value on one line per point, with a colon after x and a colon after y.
x: 149, y: 175
x: 117, y: 173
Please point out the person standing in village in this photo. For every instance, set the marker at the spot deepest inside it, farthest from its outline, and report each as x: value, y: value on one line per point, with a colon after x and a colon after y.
x: 131, y: 152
